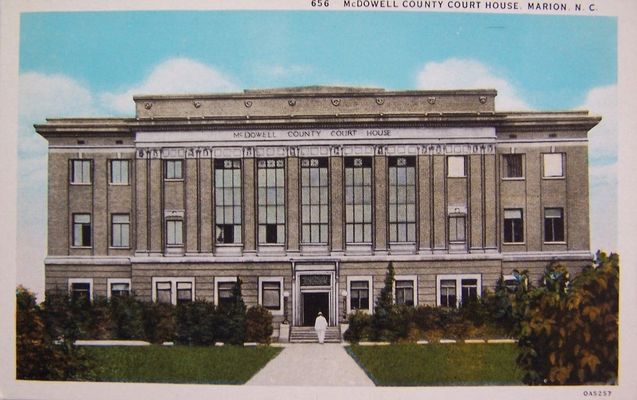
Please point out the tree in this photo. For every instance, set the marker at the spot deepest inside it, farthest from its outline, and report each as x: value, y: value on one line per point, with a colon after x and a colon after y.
x: 381, y: 321
x: 195, y: 323
x: 258, y: 324
x: 233, y: 317
x: 569, y: 328
x: 40, y: 356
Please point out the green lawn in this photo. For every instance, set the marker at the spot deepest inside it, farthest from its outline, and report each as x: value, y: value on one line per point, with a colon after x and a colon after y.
x: 439, y: 364
x: 181, y: 364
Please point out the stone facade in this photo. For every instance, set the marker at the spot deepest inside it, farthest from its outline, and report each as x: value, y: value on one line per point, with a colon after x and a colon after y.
x: 306, y: 195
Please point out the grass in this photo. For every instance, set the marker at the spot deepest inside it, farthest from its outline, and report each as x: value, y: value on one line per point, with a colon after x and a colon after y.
x: 439, y: 364
x: 181, y: 364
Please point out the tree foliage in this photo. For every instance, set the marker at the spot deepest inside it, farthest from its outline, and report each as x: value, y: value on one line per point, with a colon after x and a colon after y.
x: 258, y: 324
x: 382, y: 318
x: 39, y: 355
x: 569, y: 328
x: 232, y: 317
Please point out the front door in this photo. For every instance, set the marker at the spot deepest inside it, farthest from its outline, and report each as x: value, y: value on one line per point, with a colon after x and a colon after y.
x: 312, y: 304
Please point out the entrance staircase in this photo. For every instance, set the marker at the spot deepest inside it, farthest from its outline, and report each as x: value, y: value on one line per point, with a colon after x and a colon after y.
x: 306, y: 334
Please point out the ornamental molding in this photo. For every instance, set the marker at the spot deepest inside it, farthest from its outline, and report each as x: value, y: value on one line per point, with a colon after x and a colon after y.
x: 402, y: 150
x: 459, y: 149
x: 314, y: 151
x: 207, y: 152
x: 358, y: 150
x: 273, y: 151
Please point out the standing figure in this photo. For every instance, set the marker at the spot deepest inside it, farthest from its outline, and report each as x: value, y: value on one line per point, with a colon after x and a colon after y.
x: 319, y: 326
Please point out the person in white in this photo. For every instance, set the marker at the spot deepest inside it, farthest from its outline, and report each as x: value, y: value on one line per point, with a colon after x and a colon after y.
x: 319, y: 326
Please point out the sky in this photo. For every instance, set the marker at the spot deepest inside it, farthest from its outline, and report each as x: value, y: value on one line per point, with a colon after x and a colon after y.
x: 92, y: 63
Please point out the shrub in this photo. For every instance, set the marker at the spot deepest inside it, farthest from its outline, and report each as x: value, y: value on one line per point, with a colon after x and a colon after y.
x: 231, y: 318
x: 100, y: 324
x: 37, y: 356
x: 127, y: 317
x: 258, y: 324
x: 381, y: 321
x: 360, y: 327
x: 59, y: 319
x: 196, y: 323
x: 401, y: 322
x: 569, y: 328
x: 159, y: 322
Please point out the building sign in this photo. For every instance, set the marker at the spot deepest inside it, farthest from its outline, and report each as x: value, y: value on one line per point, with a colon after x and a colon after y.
x: 315, y: 280
x: 327, y: 136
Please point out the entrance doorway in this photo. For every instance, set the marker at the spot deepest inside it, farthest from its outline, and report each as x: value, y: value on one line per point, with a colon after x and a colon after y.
x: 312, y: 304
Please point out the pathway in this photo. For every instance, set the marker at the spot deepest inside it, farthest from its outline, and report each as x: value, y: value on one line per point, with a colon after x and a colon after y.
x: 312, y: 364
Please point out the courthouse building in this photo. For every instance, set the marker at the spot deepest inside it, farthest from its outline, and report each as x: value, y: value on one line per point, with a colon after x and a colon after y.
x: 307, y: 194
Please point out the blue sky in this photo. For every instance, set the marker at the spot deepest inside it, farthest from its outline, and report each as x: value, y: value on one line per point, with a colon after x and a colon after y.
x: 553, y: 60
x: 90, y: 64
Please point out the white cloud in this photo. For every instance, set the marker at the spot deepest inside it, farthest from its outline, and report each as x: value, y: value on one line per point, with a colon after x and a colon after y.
x: 174, y: 76
x: 458, y: 73
x: 40, y: 96
x: 283, y: 71
x: 44, y: 95
x: 603, y: 195
x: 603, y: 167
x: 603, y: 138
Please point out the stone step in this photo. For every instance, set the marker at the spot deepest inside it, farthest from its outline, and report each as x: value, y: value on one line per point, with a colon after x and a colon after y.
x: 307, y: 334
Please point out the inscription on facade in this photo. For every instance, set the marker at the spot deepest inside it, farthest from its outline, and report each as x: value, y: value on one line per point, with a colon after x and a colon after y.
x: 319, y: 135
x: 315, y: 280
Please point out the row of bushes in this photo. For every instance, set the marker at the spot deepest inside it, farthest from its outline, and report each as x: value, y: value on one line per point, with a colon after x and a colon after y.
x: 491, y: 315
x: 46, y: 332
x: 567, y: 328
x: 125, y: 317
x: 409, y: 324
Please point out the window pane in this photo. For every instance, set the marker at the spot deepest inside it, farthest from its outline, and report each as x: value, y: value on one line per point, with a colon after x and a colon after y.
x: 455, y: 165
x: 271, y: 295
x: 553, y: 165
x: 512, y: 165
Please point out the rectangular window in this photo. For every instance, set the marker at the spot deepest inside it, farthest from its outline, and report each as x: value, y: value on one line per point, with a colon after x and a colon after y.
x: 457, y: 228
x: 271, y: 200
x: 228, y: 201
x: 80, y: 172
x: 448, y: 293
x: 469, y: 290
x: 119, y: 289
x: 402, y: 199
x: 456, y: 290
x: 314, y: 200
x: 82, y: 230
x: 271, y: 295
x: 553, y: 225
x: 119, y: 172
x: 120, y: 230
x: 172, y: 290
x: 224, y: 292
x: 512, y: 165
x: 358, y: 199
x: 513, y: 226
x: 173, y: 169
x: 174, y: 231
x: 553, y: 165
x: 163, y: 292
x: 456, y: 167
x: 80, y: 291
x: 359, y: 295
x: 405, y: 292
x: 184, y: 292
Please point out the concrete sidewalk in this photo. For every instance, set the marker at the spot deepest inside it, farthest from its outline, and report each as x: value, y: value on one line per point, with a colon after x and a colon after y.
x: 312, y: 364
